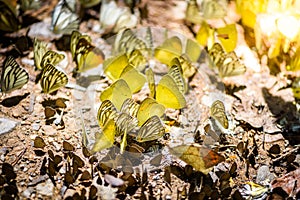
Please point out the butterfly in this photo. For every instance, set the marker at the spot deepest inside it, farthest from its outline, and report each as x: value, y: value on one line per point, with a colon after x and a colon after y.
x: 173, y: 47
x: 114, y: 18
x: 106, y: 137
x: 130, y: 107
x: 148, y: 108
x: 192, y: 13
x: 13, y: 76
x: 200, y: 157
x: 119, y: 67
x: 169, y: 90
x: 52, y: 79
x: 30, y: 4
x: 117, y: 93
x: 217, y: 111
x: 177, y: 74
x: 89, y: 3
x: 43, y: 56
x: 106, y: 112
x: 227, y: 64
x: 125, y: 123
x: 152, y: 129
x: 214, y: 9
x: 9, y: 21
x: 64, y: 17
x: 84, y: 53
x: 126, y: 42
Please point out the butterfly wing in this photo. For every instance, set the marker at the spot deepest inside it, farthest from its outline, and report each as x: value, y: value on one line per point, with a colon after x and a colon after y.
x: 152, y: 129
x: 171, y: 48
x: 177, y: 74
x: 130, y: 107
x: 125, y: 123
x: 9, y: 22
x: 168, y: 94
x: 135, y: 79
x: 87, y: 56
x: 51, y: 57
x: 151, y: 82
x: 113, y: 67
x: 52, y: 79
x: 106, y: 112
x: 148, y: 108
x: 217, y: 111
x: 39, y: 50
x: 13, y: 76
x: 232, y: 66
x: 64, y: 17
x: 117, y: 92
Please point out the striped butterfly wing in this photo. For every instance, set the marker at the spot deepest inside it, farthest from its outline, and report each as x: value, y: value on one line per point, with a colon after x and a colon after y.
x: 217, y: 111
x: 52, y: 79
x: 232, y: 66
x: 152, y: 129
x: 125, y: 123
x: 217, y: 55
x: 51, y: 57
x: 151, y: 82
x: 13, y: 76
x: 9, y: 22
x: 64, y: 17
x: 130, y: 107
x: 87, y: 56
x: 177, y: 74
x: 75, y: 36
x: 126, y: 41
x: 39, y: 50
x: 106, y: 112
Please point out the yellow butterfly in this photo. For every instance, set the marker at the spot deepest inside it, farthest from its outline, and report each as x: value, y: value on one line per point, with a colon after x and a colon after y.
x: 148, y: 108
x: 9, y: 21
x: 172, y: 47
x: 152, y: 129
x: 192, y: 13
x: 167, y: 91
x: 151, y: 82
x: 135, y: 79
x: 52, y: 79
x: 214, y: 9
x: 64, y: 17
x: 43, y: 56
x: 130, y: 107
x: 168, y: 94
x: 87, y: 56
x: 13, y: 76
x: 217, y: 111
x: 227, y: 64
x: 119, y: 67
x: 117, y: 93
x: 106, y: 137
x: 106, y: 112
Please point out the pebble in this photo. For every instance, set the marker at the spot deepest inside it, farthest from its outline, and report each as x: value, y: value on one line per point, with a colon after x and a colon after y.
x: 56, y: 146
x: 49, y: 130
x: 27, y: 193
x: 45, y: 188
x: 35, y: 126
x: 7, y: 125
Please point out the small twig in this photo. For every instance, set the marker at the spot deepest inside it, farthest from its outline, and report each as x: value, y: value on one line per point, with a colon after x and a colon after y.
x: 19, y: 157
x: 284, y: 155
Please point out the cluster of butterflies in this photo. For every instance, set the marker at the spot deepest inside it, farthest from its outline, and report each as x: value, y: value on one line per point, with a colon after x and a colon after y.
x: 141, y: 121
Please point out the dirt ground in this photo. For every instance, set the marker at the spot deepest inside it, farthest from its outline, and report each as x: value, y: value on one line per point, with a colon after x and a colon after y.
x: 42, y: 159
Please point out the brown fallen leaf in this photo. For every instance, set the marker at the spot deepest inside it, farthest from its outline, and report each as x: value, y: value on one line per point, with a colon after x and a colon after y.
x: 200, y: 157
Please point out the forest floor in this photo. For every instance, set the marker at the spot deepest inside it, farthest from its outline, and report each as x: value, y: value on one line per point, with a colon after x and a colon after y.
x: 261, y: 145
